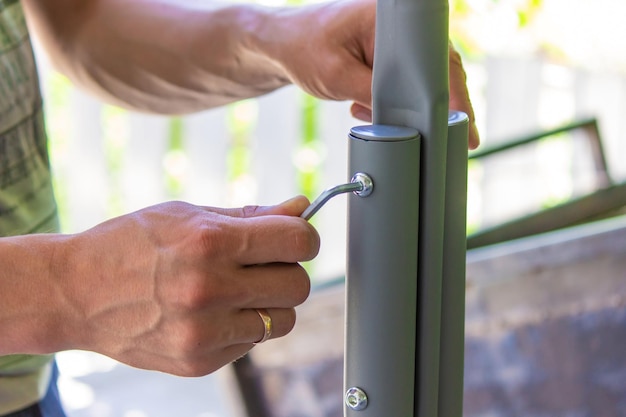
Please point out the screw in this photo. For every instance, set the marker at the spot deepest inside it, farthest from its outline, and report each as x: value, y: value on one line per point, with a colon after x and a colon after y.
x: 361, y: 185
x: 366, y: 183
x: 356, y: 399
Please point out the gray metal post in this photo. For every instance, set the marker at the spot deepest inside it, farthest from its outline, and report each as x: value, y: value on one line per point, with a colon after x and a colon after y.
x: 410, y: 88
x: 401, y: 359
x: 382, y: 266
x: 452, y: 347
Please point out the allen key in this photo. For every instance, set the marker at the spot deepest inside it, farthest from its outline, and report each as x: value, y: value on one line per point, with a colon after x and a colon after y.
x: 361, y: 184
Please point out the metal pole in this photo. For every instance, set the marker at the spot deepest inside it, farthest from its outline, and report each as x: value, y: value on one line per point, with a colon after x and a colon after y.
x: 452, y: 347
x: 406, y: 248
x: 410, y: 88
x: 382, y: 266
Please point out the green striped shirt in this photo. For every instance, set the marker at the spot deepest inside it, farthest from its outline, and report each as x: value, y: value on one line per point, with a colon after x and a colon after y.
x: 26, y: 198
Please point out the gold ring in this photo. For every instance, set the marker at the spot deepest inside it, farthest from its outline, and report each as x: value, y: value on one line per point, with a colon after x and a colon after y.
x: 267, y: 324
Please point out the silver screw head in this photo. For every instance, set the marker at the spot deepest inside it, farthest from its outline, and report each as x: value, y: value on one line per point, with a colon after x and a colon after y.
x: 367, y: 185
x: 356, y: 399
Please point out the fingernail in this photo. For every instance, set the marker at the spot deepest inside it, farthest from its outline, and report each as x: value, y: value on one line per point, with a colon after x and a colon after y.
x: 475, y: 136
x: 292, y: 200
x: 292, y: 207
x: 363, y: 115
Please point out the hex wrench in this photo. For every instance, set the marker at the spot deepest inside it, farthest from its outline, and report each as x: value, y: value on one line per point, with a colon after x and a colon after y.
x: 361, y: 184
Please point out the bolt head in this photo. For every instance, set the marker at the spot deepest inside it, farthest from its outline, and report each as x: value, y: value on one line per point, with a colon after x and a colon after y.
x: 366, y: 183
x: 356, y: 399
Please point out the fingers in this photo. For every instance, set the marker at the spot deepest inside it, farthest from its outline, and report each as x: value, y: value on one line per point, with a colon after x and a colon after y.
x: 246, y: 326
x: 356, y: 85
x: 208, y: 349
x: 253, y: 328
x: 209, y: 331
x: 292, y: 207
x: 259, y: 235
x: 459, y: 96
x: 361, y: 112
x: 271, y: 239
x: 271, y: 286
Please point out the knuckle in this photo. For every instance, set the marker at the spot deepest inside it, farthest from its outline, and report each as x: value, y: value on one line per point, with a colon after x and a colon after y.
x: 210, y: 239
x: 249, y: 211
x: 221, y: 239
x: 335, y: 65
x: 194, y: 292
x: 188, y: 341
x: 241, y: 294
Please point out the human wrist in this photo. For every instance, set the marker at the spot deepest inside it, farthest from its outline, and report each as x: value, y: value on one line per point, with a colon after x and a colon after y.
x: 32, y: 308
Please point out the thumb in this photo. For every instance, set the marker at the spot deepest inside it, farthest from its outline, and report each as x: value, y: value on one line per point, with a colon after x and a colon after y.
x: 459, y: 95
x: 292, y: 207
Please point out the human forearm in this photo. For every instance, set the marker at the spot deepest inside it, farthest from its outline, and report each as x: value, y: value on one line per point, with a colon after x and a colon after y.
x: 161, y: 56
x: 171, y: 56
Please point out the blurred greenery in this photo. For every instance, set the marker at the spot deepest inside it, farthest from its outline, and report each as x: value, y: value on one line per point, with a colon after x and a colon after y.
x: 57, y: 115
x: 308, y: 178
x: 175, y: 158
x: 463, y: 13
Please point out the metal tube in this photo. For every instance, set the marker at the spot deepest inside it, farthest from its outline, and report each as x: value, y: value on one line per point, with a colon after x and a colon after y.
x: 453, y: 281
x: 406, y: 256
x: 382, y: 285
x: 382, y: 266
x: 410, y: 88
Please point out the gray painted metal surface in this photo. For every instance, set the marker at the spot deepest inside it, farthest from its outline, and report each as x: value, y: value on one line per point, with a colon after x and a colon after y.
x: 382, y: 264
x: 453, y: 281
x: 410, y: 88
x: 396, y: 279
x: 383, y: 309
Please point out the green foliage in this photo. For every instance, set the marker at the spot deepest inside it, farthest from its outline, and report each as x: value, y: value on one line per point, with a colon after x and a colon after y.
x: 307, y: 178
x: 527, y: 11
x: 58, y: 118
x: 468, y: 18
x: 175, y: 158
